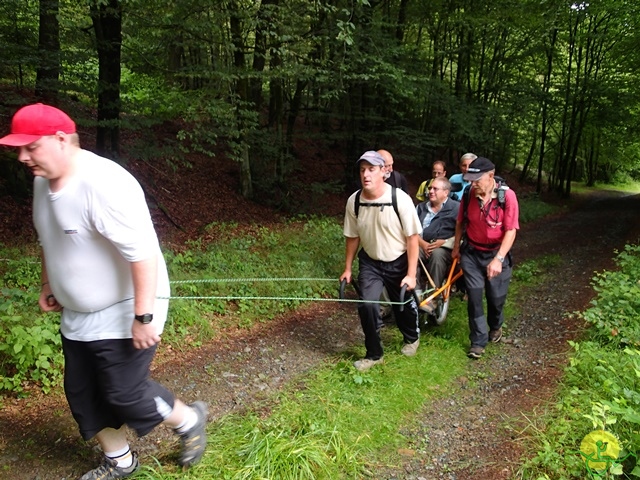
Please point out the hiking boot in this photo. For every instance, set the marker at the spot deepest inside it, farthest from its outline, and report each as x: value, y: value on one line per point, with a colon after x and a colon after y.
x: 495, y: 335
x: 194, y: 440
x: 475, y: 352
x: 110, y: 470
x: 366, y: 363
x: 410, y: 349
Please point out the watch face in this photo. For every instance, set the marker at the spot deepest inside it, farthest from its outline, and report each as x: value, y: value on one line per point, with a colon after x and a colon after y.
x: 146, y: 318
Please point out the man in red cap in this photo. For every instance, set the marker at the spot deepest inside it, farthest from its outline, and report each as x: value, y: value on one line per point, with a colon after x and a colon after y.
x: 102, y: 268
x: 488, y: 220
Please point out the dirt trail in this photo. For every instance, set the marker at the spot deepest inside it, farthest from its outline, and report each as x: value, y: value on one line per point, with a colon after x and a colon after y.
x: 465, y: 432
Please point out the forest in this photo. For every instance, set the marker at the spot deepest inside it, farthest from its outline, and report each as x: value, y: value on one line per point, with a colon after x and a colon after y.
x: 547, y: 89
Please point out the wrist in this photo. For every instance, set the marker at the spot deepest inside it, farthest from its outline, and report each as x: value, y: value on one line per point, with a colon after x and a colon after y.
x: 499, y: 257
x: 144, y: 318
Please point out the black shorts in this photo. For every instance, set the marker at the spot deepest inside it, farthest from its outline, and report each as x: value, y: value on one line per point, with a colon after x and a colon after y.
x: 107, y: 384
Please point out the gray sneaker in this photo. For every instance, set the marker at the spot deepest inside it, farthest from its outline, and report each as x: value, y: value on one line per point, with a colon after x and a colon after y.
x: 194, y: 440
x: 410, y: 349
x: 110, y: 470
x: 366, y: 363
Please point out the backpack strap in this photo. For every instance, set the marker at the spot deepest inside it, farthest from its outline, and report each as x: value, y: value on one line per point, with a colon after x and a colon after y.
x: 394, y: 204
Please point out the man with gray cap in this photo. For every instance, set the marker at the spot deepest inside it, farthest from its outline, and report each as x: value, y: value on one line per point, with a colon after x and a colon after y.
x: 383, y: 221
x: 488, y: 221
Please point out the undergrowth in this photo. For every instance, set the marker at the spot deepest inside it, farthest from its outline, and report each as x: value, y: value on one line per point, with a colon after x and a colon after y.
x: 600, y: 389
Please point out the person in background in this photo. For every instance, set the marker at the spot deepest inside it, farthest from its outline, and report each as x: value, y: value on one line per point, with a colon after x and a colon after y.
x: 102, y: 268
x: 458, y: 184
x: 438, y: 217
x: 439, y: 169
x: 393, y: 178
x: 489, y: 229
x: 388, y: 257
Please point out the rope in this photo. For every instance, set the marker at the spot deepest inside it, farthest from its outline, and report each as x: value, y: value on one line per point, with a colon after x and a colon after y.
x: 270, y: 279
x: 307, y: 299
x: 247, y: 280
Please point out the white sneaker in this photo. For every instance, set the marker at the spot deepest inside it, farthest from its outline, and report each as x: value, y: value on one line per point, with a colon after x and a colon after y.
x: 366, y: 363
x: 410, y: 349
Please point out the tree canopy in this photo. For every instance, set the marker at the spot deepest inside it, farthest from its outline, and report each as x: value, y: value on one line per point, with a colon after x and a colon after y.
x: 546, y: 86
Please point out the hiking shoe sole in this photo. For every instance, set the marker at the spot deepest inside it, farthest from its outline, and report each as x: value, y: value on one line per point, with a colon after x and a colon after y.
x: 495, y: 335
x: 194, y: 441
x: 475, y: 352
x: 109, y: 470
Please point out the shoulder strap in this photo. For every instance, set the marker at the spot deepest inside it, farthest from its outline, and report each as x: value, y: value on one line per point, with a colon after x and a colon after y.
x: 466, y: 195
x: 394, y: 203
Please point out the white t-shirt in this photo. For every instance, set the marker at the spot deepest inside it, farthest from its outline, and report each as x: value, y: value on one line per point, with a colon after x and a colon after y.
x: 90, y: 231
x: 379, y: 229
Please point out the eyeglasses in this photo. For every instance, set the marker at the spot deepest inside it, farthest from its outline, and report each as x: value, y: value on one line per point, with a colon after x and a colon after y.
x: 435, y: 189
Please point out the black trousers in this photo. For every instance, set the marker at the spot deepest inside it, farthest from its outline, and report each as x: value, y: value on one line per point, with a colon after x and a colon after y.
x: 373, y: 276
x: 474, y: 265
x: 107, y: 384
x: 438, y: 265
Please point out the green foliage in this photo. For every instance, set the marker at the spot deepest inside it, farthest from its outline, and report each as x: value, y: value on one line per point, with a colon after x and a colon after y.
x: 20, y: 271
x: 532, y: 208
x: 533, y: 271
x: 239, y: 275
x: 30, y: 347
x: 615, y: 311
x: 601, y: 385
x: 313, y: 429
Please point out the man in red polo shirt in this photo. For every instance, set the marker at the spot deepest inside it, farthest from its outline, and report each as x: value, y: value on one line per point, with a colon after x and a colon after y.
x: 488, y: 222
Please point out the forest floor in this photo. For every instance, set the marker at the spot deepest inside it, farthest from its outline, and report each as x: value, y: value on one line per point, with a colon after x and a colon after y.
x: 472, y: 433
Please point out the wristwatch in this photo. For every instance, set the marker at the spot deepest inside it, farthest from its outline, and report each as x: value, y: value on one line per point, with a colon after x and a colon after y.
x: 144, y: 318
x: 500, y: 258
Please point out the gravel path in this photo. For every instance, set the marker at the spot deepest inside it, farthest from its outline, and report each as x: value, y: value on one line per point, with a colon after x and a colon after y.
x: 470, y: 434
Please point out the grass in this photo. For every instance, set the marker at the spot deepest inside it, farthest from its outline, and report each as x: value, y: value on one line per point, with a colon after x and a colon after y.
x: 600, y: 388
x: 333, y: 422
x: 628, y: 187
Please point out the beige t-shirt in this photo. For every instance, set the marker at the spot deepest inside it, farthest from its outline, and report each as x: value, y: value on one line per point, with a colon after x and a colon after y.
x: 381, y: 234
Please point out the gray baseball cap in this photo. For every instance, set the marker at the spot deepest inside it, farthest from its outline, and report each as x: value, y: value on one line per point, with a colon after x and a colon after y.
x: 372, y: 157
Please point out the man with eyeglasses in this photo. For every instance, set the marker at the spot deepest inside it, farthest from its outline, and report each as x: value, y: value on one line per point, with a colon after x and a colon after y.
x: 393, y: 178
x: 438, y: 218
x: 489, y: 228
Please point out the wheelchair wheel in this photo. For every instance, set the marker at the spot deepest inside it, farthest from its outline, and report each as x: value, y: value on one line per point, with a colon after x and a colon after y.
x: 440, y: 315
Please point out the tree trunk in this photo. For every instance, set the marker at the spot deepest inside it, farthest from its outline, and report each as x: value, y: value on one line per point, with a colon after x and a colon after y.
x: 107, y: 24
x: 242, y: 94
x: 48, y: 74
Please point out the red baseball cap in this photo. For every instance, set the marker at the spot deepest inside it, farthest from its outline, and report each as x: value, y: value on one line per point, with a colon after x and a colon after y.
x: 35, y: 121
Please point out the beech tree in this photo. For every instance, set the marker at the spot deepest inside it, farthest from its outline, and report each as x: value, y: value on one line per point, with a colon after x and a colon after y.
x: 544, y: 87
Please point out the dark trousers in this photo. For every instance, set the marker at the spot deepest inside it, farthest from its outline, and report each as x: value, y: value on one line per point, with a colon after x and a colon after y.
x: 438, y: 265
x: 474, y: 264
x: 107, y: 384
x: 373, y: 276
